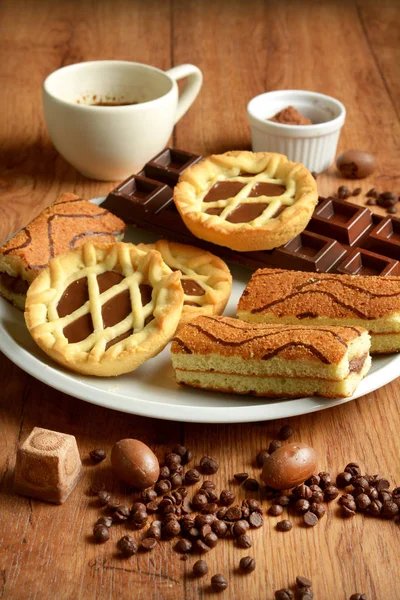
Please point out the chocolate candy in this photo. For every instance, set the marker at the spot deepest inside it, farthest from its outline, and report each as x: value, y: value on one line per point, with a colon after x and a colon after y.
x: 135, y: 463
x: 340, y: 238
x: 356, y: 164
x: 289, y: 466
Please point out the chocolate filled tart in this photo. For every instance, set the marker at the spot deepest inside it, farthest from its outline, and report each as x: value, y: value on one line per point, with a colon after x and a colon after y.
x: 228, y: 355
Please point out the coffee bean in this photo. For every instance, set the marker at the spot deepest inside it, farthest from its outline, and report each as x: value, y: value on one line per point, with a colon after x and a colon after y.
x: 210, y: 508
x: 187, y: 458
x: 285, y: 432
x: 247, y: 564
x: 358, y: 597
x: 302, y: 506
x: 148, y: 544
x: 154, y: 532
x: 318, y: 509
x: 282, y: 500
x: 222, y: 512
x: 138, y: 506
x: 218, y: 583
x: 199, y: 501
x: 362, y: 502
x: 152, y: 507
x: 347, y: 512
x: 245, y: 512
x: 310, y: 519
x: 313, y: 480
x: 101, y: 534
x: 387, y: 199
x: 284, y: 594
x: 256, y: 520
x: 244, y: 541
x: 356, y: 192
x: 302, y: 491
x: 304, y: 594
x: 227, y: 498
x: 317, y: 495
x: 274, y: 445
x: 211, y: 539
x: 200, y: 568
x: 120, y: 513
x: 382, y: 484
x: 164, y: 473
x: 284, y: 525
x: 171, y: 529
x: 251, y: 485
x: 303, y: 582
x: 392, y: 210
x: 241, y: 477
x: 97, y: 455
x: 176, y: 481
x: 178, y: 449
x: 240, y: 527
x: 389, y: 510
x: 193, y: 532
x: 192, y: 476
x: 360, y: 481
x: 200, y: 547
x: 372, y: 193
x: 219, y: 528
x: 375, y: 508
x: 208, y: 465
x: 330, y: 493
x: 205, y: 530
x: 347, y: 501
x: 371, y: 202
x: 252, y: 504
x: 201, y: 520
x: 353, y: 468
x: 140, y: 518
x: 212, y: 495
x: 276, y: 509
x: 104, y: 498
x: 234, y: 513
x: 172, y: 459
x: 325, y: 480
x: 148, y: 495
x: 162, y: 487
x: 183, y: 546
x: 127, y: 546
x: 343, y: 479
x: 261, y: 458
x: 385, y: 496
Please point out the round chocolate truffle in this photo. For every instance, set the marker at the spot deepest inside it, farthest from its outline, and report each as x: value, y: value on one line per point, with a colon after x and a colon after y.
x: 135, y: 463
x: 289, y: 466
x: 355, y: 164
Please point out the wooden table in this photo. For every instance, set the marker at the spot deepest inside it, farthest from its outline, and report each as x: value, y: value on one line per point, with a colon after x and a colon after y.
x: 345, y: 48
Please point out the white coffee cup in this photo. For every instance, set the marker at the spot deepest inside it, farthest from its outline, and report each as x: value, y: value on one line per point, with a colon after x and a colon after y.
x: 111, y: 142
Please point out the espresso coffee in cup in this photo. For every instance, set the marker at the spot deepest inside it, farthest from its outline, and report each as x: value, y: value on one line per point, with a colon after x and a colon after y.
x: 125, y: 114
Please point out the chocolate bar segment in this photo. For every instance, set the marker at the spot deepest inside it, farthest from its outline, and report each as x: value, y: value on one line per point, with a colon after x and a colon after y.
x: 338, y: 230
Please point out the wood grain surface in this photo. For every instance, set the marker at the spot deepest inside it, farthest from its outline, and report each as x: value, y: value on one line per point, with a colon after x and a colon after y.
x: 343, y: 48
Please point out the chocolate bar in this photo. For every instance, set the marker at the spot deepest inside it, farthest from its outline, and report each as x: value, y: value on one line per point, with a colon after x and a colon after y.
x: 340, y: 238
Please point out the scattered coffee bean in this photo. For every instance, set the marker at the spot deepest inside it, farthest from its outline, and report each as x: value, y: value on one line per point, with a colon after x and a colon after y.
x: 162, y: 487
x: 176, y: 481
x: 138, y: 506
x: 325, y: 480
x: 343, y: 479
x: 172, y: 529
x: 152, y: 507
x: 319, y: 510
x: 219, y: 528
x: 302, y: 505
x: 164, y: 473
x: 104, y: 498
x: 200, y: 547
x: 303, y: 582
x: 148, y: 495
x: 347, y: 512
x: 276, y: 509
x: 227, y: 498
x: 210, y: 508
x: 392, y: 210
x: 251, y: 485
x: 358, y: 597
x: 97, y: 455
x: 183, y: 546
x: 106, y: 521
x: 274, y: 445
x: 201, y: 520
x: 356, y: 192
x: 192, y: 476
x: 282, y: 500
x: 261, y: 458
x: 372, y: 193
x: 284, y: 525
x: 211, y: 539
x: 256, y: 520
x: 127, y: 546
x: 343, y: 192
x: 310, y: 519
x: 178, y: 449
x: 353, y: 468
x: 302, y: 491
x: 148, y: 544
x: 330, y: 493
x: 101, y: 534
x: 240, y: 527
x: 241, y: 477
x: 285, y: 432
x: 218, y: 583
x: 247, y: 564
x: 120, y: 513
x: 389, y: 510
x: 313, y: 480
x: 244, y: 541
x: 199, y: 501
x: 371, y: 202
x: 234, y: 513
x: 200, y: 568
x: 154, y: 532
x: 362, y: 502
x: 208, y: 465
x: 222, y: 512
x: 139, y: 518
x: 284, y: 594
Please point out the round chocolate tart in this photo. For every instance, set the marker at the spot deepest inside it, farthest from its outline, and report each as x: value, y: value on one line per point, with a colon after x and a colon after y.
x: 246, y: 201
x: 104, y: 309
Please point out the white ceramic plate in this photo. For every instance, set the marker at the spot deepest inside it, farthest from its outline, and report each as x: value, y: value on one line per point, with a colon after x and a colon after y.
x: 151, y: 390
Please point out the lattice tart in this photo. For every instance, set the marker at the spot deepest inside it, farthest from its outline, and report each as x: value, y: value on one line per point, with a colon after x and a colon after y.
x: 246, y: 201
x: 104, y: 310
x: 206, y: 279
x: 291, y: 297
x: 229, y: 355
x: 64, y: 225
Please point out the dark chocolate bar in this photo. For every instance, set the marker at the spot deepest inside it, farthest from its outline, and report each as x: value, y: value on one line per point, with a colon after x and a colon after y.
x: 340, y: 238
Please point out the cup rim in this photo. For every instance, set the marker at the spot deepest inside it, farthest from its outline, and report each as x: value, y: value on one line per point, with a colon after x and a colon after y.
x: 306, y: 130
x: 84, y: 64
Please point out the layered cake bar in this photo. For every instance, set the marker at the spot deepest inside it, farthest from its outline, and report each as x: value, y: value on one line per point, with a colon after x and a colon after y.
x: 283, y: 297
x: 64, y: 225
x: 284, y: 361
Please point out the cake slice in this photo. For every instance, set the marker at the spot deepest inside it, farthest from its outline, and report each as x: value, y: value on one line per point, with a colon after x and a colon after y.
x: 66, y: 224
x: 282, y: 361
x: 293, y: 297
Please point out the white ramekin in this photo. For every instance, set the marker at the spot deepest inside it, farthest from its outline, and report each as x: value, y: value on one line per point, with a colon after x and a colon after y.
x: 313, y: 145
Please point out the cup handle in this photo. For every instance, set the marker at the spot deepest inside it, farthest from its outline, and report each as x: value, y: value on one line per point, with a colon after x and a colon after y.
x: 192, y: 87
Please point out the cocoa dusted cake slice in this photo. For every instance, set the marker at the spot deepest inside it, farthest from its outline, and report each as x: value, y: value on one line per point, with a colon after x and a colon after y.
x: 282, y: 361
x: 64, y: 225
x: 293, y: 297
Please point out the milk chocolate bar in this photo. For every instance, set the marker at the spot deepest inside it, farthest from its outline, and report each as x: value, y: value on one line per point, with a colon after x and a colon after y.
x: 340, y: 238
x: 48, y: 466
x: 285, y: 361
